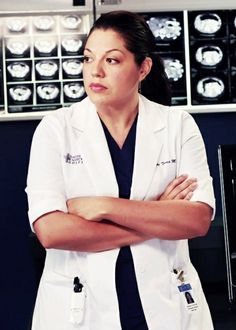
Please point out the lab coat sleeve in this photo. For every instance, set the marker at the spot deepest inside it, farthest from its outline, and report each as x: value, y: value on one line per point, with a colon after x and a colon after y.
x: 45, y: 183
x: 193, y: 161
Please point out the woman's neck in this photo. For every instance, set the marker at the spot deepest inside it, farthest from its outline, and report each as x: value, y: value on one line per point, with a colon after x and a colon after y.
x: 119, y: 115
x: 118, y: 121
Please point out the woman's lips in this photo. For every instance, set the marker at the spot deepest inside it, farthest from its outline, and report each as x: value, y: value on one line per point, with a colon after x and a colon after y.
x: 97, y: 87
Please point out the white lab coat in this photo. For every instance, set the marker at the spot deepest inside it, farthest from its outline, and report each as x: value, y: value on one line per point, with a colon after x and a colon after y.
x: 70, y: 158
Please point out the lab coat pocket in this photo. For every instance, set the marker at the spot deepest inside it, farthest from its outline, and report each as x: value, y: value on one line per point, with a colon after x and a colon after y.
x: 64, y: 298
x: 188, y: 293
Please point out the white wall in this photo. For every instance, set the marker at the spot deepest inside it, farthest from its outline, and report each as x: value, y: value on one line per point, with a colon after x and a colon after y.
x: 31, y: 5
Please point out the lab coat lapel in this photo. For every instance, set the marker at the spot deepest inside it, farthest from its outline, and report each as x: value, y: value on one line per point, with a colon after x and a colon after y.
x: 149, y: 143
x: 97, y: 159
x: 95, y: 150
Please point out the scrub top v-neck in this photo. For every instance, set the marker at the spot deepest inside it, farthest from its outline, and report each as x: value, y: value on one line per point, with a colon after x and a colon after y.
x: 131, y: 311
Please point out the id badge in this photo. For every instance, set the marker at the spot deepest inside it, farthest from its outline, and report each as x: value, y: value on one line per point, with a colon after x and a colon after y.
x: 188, y: 297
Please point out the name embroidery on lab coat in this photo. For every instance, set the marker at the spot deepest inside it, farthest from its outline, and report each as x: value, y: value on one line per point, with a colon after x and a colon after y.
x: 171, y: 161
x: 73, y: 159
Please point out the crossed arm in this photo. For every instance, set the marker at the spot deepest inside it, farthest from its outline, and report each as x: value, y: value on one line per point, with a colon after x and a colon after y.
x: 128, y: 222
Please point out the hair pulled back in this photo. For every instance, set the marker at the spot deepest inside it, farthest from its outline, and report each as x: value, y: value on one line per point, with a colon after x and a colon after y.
x: 140, y: 41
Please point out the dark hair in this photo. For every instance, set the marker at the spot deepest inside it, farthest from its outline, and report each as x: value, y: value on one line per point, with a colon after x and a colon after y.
x: 140, y: 41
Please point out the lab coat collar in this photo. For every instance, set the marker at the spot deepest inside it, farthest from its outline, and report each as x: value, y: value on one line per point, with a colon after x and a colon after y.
x: 96, y: 153
x: 84, y: 117
x: 149, y: 143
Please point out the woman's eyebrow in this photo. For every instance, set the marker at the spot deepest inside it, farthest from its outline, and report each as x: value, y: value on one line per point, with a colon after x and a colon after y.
x: 88, y: 50
x: 106, y: 52
x: 114, y: 50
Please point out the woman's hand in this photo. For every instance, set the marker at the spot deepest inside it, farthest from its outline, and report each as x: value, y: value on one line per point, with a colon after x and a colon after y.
x: 94, y: 208
x: 181, y: 187
x: 88, y: 208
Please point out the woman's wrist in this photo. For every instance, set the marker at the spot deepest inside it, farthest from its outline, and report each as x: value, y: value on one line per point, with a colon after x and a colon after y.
x: 106, y: 206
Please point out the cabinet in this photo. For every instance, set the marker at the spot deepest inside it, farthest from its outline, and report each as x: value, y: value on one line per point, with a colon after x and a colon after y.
x: 227, y: 167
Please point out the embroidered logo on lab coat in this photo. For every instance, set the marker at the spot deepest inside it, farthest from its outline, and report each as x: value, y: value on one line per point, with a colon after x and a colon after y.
x: 171, y: 161
x: 73, y: 159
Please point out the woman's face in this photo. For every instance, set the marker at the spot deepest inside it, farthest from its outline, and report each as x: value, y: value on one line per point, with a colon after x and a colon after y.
x: 111, y: 76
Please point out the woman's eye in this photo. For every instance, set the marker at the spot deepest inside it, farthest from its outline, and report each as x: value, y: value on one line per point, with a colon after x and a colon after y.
x: 87, y: 59
x: 112, y: 60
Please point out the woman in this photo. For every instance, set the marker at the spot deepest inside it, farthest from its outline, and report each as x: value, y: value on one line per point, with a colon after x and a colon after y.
x: 109, y: 197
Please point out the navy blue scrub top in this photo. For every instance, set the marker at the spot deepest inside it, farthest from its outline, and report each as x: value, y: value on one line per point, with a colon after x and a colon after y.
x: 131, y: 311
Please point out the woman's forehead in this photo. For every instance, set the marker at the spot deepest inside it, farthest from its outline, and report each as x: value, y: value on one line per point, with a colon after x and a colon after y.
x: 105, y: 39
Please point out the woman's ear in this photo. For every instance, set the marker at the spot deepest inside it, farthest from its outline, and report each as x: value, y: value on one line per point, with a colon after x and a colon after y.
x: 145, y: 68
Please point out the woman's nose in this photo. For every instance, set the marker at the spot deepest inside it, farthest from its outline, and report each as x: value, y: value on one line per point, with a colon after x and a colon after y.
x: 97, y: 70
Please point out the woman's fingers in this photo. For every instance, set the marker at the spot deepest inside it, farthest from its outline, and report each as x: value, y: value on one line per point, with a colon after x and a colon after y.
x: 186, y: 190
x: 173, y: 184
x: 181, y: 187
